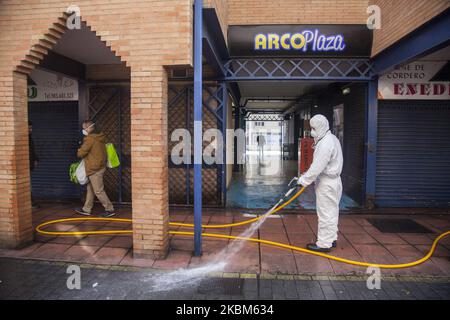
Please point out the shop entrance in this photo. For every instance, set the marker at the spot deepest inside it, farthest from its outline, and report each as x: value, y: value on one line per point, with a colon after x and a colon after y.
x: 55, y: 137
x: 276, y: 120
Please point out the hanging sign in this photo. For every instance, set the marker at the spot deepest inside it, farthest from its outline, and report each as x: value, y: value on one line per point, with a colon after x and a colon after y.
x: 50, y: 86
x: 300, y: 40
x: 414, y: 81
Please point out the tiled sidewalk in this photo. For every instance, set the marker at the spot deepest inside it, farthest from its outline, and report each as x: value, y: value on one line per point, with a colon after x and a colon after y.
x: 43, y: 280
x: 358, y: 240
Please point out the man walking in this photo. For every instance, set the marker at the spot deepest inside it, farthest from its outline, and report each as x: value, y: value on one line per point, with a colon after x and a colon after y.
x: 93, y: 152
x: 325, y: 171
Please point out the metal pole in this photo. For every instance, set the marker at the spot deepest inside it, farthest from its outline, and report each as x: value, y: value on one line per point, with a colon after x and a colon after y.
x: 198, y: 157
x: 371, y: 142
x: 224, y: 147
x: 187, y: 165
x: 120, y: 145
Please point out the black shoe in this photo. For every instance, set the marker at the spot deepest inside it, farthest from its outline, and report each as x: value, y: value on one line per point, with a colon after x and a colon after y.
x: 108, y: 214
x: 334, y: 244
x: 81, y: 211
x: 314, y: 247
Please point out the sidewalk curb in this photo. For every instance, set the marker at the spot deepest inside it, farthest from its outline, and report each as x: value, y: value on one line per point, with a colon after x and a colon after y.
x: 237, y: 275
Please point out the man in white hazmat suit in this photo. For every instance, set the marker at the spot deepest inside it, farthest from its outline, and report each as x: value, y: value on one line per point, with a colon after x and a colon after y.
x: 325, y: 171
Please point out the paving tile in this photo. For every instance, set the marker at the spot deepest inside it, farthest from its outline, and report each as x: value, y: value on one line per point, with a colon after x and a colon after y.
x: 129, y: 260
x: 50, y: 251
x: 349, y: 222
x: 389, y: 239
x: 243, y: 263
x: 350, y: 229
x: 66, y: 239
x: 345, y: 252
x: 440, y: 251
x: 371, y: 250
x: 308, y: 264
x: 276, y: 237
x: 362, y: 222
x: 79, y: 253
x: 372, y: 230
x: 107, y: 255
x: 427, y: 268
x: 278, y: 263
x: 443, y: 263
x: 403, y: 250
x: 301, y: 239
x: 19, y: 253
x: 120, y: 242
x: 94, y: 240
x: 174, y: 260
x: 182, y: 244
x: 340, y: 268
x: 359, y: 238
x: 414, y: 238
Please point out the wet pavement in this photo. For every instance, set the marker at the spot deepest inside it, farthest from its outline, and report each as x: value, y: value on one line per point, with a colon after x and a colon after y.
x: 36, y: 280
x: 358, y: 240
x: 264, y: 180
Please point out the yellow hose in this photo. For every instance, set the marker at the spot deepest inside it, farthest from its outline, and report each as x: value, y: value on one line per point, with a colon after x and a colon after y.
x: 221, y: 236
x: 324, y: 255
x: 236, y: 224
x: 188, y: 225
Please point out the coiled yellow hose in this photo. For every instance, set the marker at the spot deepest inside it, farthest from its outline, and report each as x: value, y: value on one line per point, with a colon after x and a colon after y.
x: 221, y: 236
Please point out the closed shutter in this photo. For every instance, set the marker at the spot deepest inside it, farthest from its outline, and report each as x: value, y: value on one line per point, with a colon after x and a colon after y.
x: 413, y: 155
x: 55, y: 135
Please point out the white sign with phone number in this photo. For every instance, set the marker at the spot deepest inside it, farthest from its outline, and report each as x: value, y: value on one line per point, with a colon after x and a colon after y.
x: 50, y: 86
x: 413, y: 82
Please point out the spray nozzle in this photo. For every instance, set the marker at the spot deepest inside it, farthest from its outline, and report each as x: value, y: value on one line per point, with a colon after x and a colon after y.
x: 294, y: 180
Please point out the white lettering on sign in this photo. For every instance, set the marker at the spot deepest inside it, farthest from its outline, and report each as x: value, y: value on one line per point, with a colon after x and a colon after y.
x: 306, y: 40
x: 414, y: 81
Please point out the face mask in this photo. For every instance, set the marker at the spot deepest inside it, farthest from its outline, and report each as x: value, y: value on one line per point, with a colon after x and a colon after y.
x: 84, y: 131
x: 313, y: 133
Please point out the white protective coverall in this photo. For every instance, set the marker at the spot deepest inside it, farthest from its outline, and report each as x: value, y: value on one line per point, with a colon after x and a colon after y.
x: 325, y: 171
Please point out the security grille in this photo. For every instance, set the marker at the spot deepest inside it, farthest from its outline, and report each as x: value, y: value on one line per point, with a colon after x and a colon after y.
x: 181, y: 116
x: 264, y: 117
x: 109, y: 107
x: 298, y: 69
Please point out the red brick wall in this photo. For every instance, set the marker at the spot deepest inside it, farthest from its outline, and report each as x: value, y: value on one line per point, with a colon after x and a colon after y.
x: 147, y: 35
x: 400, y: 17
x: 296, y: 11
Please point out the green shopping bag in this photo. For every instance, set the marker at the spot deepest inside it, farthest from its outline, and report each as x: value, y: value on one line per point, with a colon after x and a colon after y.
x: 72, y: 172
x: 113, y: 158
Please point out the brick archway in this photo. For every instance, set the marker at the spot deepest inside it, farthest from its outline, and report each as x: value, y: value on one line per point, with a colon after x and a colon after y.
x: 148, y: 145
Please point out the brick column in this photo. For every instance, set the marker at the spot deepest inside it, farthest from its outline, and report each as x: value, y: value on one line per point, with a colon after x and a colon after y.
x: 149, y: 161
x: 15, y: 197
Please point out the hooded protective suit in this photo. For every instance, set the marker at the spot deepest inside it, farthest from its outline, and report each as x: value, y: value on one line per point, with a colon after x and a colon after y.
x: 325, y: 171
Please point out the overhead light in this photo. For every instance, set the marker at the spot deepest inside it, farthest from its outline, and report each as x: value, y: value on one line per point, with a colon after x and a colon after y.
x: 346, y: 91
x: 268, y: 101
x: 316, y: 106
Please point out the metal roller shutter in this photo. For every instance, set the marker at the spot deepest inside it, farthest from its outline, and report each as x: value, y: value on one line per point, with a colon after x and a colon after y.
x: 413, y: 155
x: 55, y: 135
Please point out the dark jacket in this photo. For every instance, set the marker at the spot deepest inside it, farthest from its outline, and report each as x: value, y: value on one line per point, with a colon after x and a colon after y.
x: 32, y: 150
x: 93, y: 151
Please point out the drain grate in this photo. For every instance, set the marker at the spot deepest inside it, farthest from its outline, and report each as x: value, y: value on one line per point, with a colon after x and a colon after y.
x: 223, y: 286
x: 398, y: 226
